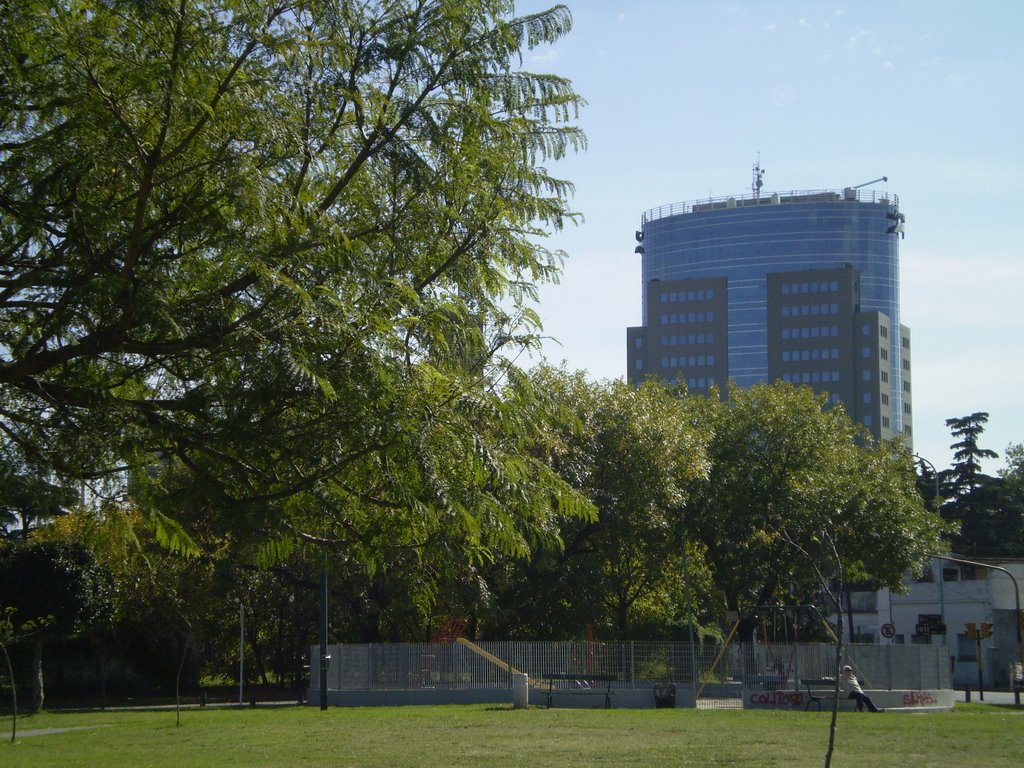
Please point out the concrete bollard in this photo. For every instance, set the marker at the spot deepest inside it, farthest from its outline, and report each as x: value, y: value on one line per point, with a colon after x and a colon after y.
x: 520, y: 691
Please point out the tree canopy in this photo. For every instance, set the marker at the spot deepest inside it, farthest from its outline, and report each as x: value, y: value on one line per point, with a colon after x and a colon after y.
x: 633, y: 453
x: 989, y: 510
x: 785, y: 468
x: 271, y: 260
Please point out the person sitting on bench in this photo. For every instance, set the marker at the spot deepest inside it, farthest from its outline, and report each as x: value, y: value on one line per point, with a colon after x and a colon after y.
x: 854, y: 691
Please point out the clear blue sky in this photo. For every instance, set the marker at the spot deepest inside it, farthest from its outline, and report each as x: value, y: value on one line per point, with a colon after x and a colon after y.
x: 683, y: 96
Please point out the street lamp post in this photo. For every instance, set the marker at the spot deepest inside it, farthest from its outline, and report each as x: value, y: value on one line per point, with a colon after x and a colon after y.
x: 1016, y: 597
x: 942, y: 586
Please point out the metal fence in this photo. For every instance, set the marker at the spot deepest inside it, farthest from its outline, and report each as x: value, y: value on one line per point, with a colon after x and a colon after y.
x: 718, y: 672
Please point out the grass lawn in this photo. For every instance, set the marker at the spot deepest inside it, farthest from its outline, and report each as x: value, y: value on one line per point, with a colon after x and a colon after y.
x: 499, y: 737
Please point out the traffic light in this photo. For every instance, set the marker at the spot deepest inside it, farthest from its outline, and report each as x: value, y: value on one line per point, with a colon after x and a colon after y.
x: 979, y: 631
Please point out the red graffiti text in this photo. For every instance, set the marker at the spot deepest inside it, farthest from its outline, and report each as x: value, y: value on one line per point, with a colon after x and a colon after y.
x: 918, y: 699
x: 778, y: 699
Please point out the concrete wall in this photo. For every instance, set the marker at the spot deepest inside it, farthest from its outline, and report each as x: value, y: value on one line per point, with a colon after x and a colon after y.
x: 907, y: 701
x: 622, y: 698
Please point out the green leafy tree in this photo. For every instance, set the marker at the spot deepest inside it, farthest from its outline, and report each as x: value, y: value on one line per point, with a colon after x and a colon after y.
x: 632, y: 453
x: 988, y: 509
x: 13, y: 630
x: 966, y: 475
x: 61, y: 581
x: 1010, y: 529
x: 991, y: 511
x: 784, y: 468
x: 27, y: 497
x: 271, y: 261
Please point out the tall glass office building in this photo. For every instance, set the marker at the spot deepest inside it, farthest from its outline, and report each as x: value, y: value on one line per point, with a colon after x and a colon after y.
x: 801, y: 287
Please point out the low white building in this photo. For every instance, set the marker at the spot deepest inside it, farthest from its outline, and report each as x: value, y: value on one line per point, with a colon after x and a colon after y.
x: 939, y: 607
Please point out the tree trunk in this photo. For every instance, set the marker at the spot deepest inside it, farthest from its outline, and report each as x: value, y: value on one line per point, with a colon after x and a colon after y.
x: 37, y: 676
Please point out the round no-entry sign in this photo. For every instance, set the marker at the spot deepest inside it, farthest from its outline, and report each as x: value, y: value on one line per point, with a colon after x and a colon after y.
x: 888, y: 630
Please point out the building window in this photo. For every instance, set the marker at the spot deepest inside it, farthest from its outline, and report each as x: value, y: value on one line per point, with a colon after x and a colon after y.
x: 639, y: 364
x: 867, y: 398
x: 885, y: 422
x: 638, y: 342
x: 883, y: 353
x: 865, y: 352
x: 883, y: 331
x: 865, y: 330
x: 868, y: 420
x: 865, y: 375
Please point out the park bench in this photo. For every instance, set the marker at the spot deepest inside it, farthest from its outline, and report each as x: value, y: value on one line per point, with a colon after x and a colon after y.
x: 583, y: 684
x: 818, y: 689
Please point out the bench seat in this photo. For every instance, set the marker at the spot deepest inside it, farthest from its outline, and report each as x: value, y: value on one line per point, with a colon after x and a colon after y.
x: 582, y: 686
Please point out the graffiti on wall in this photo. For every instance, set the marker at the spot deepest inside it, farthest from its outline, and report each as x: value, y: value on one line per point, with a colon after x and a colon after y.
x: 777, y: 699
x: 919, y: 699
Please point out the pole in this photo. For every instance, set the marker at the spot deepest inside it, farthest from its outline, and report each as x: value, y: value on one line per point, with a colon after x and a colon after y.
x: 241, y: 652
x: 981, y: 674
x: 689, y: 614
x: 942, y: 588
x: 323, y: 638
x: 1016, y: 597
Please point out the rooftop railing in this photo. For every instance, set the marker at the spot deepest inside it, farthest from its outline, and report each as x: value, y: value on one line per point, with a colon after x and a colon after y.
x: 848, y: 194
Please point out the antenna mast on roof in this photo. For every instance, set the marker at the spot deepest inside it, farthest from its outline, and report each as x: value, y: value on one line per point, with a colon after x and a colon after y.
x: 757, y: 182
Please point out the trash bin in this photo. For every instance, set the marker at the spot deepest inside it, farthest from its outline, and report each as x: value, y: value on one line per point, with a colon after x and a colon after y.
x: 665, y: 695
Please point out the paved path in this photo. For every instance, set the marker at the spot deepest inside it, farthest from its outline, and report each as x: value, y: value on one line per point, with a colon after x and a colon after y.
x: 991, y: 697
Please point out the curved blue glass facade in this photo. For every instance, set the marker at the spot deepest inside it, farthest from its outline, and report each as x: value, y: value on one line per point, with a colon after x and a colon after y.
x: 746, y: 239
